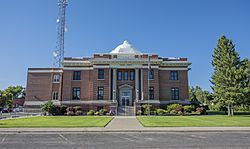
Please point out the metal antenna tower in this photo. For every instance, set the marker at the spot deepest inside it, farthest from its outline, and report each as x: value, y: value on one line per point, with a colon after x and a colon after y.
x: 61, y: 29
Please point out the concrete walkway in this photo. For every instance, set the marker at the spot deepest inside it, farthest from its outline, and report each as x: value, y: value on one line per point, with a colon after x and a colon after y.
x: 124, y: 123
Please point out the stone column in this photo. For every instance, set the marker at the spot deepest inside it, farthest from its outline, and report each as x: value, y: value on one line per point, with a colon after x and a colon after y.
x: 136, y: 84
x: 142, y: 85
x: 114, y: 85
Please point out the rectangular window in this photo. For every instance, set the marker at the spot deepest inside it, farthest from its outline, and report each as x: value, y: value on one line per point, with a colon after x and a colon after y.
x: 76, y: 93
x: 174, y: 75
x: 175, y: 93
x: 55, y: 95
x: 119, y: 75
x: 151, y: 92
x: 56, y: 78
x: 100, y: 93
x: 77, y: 75
x: 125, y: 75
x: 151, y: 74
x: 101, y: 74
x: 132, y: 75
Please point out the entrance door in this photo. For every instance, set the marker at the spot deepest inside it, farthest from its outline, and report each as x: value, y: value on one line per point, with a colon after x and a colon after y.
x: 125, y: 101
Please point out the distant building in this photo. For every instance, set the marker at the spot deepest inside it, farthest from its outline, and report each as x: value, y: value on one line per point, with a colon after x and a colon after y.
x: 112, y: 79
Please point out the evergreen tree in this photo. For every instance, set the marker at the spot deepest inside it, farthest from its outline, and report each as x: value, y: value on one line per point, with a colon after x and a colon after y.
x: 245, y: 76
x: 227, y: 75
x: 199, y: 94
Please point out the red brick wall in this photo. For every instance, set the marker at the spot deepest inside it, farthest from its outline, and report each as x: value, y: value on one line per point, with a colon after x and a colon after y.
x: 39, y: 87
x: 166, y: 84
x: 104, y: 83
x: 154, y: 83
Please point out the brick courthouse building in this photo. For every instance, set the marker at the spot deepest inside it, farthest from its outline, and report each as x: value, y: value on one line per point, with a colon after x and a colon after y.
x: 121, y: 77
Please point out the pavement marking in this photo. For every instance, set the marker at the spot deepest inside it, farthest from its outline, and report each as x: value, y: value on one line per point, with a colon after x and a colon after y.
x: 65, y: 139
x: 196, y: 136
x: 3, y: 139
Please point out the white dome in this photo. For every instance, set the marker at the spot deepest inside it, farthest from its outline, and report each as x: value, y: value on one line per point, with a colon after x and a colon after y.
x: 125, y: 48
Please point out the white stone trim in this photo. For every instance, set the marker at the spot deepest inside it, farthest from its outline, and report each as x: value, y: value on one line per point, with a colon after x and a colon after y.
x: 74, y: 61
x: 176, y: 62
x: 44, y: 71
x: 149, y: 101
x: 87, y: 102
x: 150, y: 67
x: 34, y: 103
x: 101, y: 66
x: 77, y: 68
x: 173, y: 68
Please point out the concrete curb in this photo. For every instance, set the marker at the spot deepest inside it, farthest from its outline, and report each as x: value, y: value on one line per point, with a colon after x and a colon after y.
x: 145, y: 129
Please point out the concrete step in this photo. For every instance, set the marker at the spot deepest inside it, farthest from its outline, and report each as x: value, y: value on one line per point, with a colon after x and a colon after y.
x: 125, y: 111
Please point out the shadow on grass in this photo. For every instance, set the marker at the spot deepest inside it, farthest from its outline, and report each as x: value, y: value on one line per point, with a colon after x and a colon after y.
x: 210, y: 112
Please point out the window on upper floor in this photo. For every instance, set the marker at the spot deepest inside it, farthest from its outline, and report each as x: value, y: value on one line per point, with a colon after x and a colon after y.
x: 55, y: 95
x: 100, y: 94
x: 174, y: 75
x: 56, y: 78
x: 132, y: 75
x: 175, y: 93
x: 101, y: 74
x: 125, y: 75
x: 151, y: 74
x: 151, y: 92
x: 119, y: 75
x: 76, y: 92
x: 77, y: 75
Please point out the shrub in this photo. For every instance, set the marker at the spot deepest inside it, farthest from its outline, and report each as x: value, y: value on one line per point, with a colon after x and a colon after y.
x: 173, y: 112
x: 180, y: 113
x: 91, y: 112
x: 78, y: 108
x: 63, y: 110
x: 79, y: 112
x: 175, y: 107
x: 139, y: 112
x: 48, y: 107
x: 201, y: 110
x: 146, y: 109
x: 188, y: 109
x: 103, y: 111
x: 97, y: 113
x: 70, y: 113
x: 161, y: 112
x: 70, y: 109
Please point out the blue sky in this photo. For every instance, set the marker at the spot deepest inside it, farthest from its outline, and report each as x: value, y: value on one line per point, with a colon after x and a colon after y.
x: 171, y: 28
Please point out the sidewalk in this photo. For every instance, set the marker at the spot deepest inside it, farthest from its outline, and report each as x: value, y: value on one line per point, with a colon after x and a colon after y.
x: 126, y: 124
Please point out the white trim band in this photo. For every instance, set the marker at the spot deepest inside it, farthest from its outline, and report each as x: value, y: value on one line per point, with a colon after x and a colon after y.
x: 43, y: 71
x: 77, y: 68
x: 173, y: 68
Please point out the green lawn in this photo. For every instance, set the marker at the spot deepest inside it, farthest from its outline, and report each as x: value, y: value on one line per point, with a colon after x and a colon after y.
x: 202, y: 121
x: 56, y: 121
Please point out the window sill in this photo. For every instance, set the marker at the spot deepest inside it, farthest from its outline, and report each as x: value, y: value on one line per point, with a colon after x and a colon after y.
x: 55, y: 82
x: 100, y: 79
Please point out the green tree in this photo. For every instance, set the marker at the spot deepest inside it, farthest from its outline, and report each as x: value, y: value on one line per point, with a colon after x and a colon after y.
x: 199, y: 94
x: 245, y: 71
x: 227, y: 75
x: 207, y: 97
x: 10, y: 93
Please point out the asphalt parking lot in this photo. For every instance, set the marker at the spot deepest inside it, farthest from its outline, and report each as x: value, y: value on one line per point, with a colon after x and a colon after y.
x: 215, y: 140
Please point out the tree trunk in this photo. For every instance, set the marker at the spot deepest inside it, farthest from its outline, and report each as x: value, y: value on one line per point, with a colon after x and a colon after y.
x: 232, y: 111
x: 229, y: 113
